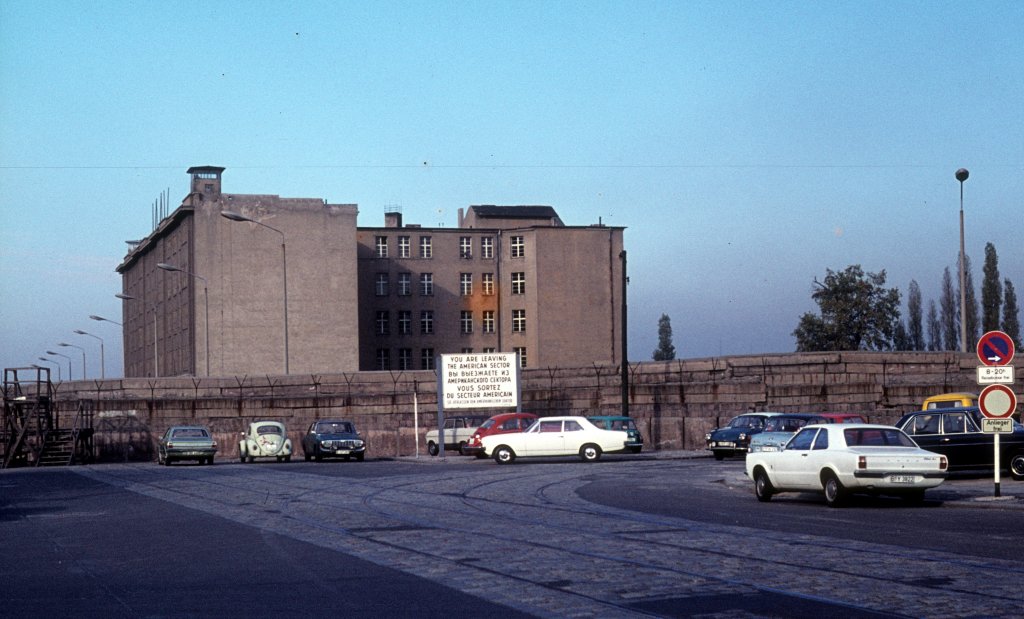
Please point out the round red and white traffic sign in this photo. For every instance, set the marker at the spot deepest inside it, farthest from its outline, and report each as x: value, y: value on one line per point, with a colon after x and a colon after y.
x: 995, y: 348
x: 997, y: 401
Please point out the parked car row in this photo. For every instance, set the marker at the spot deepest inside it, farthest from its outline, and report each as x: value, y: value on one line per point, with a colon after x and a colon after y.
x: 325, y: 438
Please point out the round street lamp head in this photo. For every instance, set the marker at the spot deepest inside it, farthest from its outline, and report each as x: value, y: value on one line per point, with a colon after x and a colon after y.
x: 962, y: 174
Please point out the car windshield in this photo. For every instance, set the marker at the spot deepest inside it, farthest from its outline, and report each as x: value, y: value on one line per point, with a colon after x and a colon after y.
x: 334, y: 427
x: 268, y: 430
x: 189, y: 433
x: 487, y: 424
x: 746, y: 421
x: 877, y: 437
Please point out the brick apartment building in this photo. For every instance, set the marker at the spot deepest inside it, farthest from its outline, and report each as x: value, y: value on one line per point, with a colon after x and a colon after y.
x: 293, y: 284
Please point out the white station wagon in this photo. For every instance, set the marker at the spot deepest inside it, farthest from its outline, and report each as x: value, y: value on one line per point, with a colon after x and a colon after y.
x: 842, y: 459
x: 556, y: 436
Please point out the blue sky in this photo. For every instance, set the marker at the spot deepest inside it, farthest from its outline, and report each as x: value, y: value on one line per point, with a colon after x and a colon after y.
x: 747, y: 147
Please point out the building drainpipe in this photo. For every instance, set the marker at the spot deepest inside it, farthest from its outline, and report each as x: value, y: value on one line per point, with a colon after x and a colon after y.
x: 625, y: 356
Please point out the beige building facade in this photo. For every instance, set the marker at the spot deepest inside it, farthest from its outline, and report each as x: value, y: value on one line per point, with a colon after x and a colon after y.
x: 256, y: 285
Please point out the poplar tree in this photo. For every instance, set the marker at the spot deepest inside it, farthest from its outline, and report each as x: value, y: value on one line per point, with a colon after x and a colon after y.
x: 934, y: 328
x: 665, y: 351
x: 991, y: 291
x: 949, y: 314
x: 915, y: 327
x: 1011, y: 322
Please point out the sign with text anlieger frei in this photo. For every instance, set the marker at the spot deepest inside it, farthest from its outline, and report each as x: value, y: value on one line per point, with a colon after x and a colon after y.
x: 997, y: 426
x: 995, y: 348
x: 487, y: 380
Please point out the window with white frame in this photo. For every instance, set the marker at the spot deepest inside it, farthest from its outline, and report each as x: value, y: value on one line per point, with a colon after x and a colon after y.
x: 427, y: 322
x: 488, y: 351
x: 404, y: 358
x: 518, y: 321
x: 488, y: 321
x: 382, y: 246
x: 404, y: 284
x: 466, y: 284
x: 517, y: 247
x: 404, y: 322
x: 467, y: 351
x: 426, y: 284
x: 487, y: 283
x: 487, y: 247
x: 465, y: 247
x: 427, y: 359
x: 521, y: 351
x: 381, y: 323
x: 466, y: 321
x: 381, y: 285
x: 519, y: 283
x: 426, y: 247
x: 404, y: 247
x: 383, y: 359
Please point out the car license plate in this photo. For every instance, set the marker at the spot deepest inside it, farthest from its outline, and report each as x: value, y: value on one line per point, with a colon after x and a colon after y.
x: 901, y: 479
x: 342, y: 452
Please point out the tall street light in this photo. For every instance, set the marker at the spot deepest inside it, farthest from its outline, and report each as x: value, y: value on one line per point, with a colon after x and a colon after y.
x: 101, y: 318
x: 206, y: 301
x: 156, y: 357
x: 103, y: 365
x: 961, y: 175
x: 60, y: 378
x: 84, y: 375
x: 233, y: 216
x: 51, y: 352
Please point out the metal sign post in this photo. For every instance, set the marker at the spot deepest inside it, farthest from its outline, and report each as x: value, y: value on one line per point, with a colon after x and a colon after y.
x: 997, y: 401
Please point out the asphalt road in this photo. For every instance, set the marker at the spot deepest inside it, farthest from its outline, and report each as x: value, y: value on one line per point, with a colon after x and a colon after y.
x: 431, y: 537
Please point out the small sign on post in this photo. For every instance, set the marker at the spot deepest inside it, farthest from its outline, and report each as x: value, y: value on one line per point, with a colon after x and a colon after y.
x: 997, y: 426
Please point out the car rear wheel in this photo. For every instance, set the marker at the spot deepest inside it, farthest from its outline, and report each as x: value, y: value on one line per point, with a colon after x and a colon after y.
x: 1017, y: 466
x: 504, y: 455
x: 763, y: 486
x: 432, y: 448
x: 835, y: 493
x: 590, y: 453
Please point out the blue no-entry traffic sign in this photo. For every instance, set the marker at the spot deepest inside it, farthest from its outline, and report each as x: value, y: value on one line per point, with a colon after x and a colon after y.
x: 995, y: 348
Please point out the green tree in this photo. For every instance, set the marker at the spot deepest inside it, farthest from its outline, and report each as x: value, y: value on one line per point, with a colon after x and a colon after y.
x: 665, y: 351
x: 1011, y: 322
x: 934, y: 328
x: 915, y: 326
x: 991, y: 291
x: 949, y: 313
x: 857, y: 313
x: 971, y: 315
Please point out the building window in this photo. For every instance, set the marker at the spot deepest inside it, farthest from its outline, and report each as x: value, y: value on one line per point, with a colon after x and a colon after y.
x: 487, y: 247
x: 427, y: 359
x: 466, y: 284
x: 404, y: 284
x: 467, y: 351
x: 404, y: 358
x: 466, y: 321
x: 381, y: 285
x: 381, y: 323
x: 519, y: 321
x: 518, y: 247
x: 488, y: 321
x: 404, y: 322
x: 521, y: 351
x: 519, y: 283
x: 383, y: 359
x: 426, y: 248
x: 382, y: 247
x: 426, y: 284
x: 426, y: 322
x: 404, y: 250
x: 487, y: 283
x: 465, y: 247
x: 488, y: 351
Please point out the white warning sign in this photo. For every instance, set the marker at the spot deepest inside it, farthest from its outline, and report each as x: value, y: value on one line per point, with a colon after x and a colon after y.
x: 479, y: 381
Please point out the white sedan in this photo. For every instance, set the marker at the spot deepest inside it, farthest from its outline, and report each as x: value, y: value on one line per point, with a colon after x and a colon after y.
x: 555, y: 436
x: 842, y: 459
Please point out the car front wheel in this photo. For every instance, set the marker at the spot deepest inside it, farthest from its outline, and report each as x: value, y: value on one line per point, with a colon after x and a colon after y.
x: 1017, y: 466
x: 590, y: 453
x: 763, y: 486
x: 504, y: 455
x: 835, y: 493
x: 432, y: 448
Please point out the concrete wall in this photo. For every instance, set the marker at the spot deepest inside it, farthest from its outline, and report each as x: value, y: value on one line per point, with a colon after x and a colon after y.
x: 674, y: 402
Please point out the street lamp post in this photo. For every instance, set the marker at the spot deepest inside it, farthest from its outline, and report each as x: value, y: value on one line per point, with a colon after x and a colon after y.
x: 84, y: 374
x: 961, y: 175
x: 52, y: 352
x: 101, y: 318
x: 233, y: 216
x: 103, y: 365
x: 206, y: 301
x: 156, y: 361
x: 60, y: 378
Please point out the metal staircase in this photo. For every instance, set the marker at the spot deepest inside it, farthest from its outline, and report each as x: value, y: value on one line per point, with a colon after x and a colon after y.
x: 31, y: 434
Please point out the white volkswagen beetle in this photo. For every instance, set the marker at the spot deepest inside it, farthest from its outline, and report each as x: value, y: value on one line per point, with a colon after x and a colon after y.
x: 265, y: 439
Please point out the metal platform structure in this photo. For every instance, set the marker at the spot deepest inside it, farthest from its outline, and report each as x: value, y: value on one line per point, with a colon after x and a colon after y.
x: 34, y: 432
